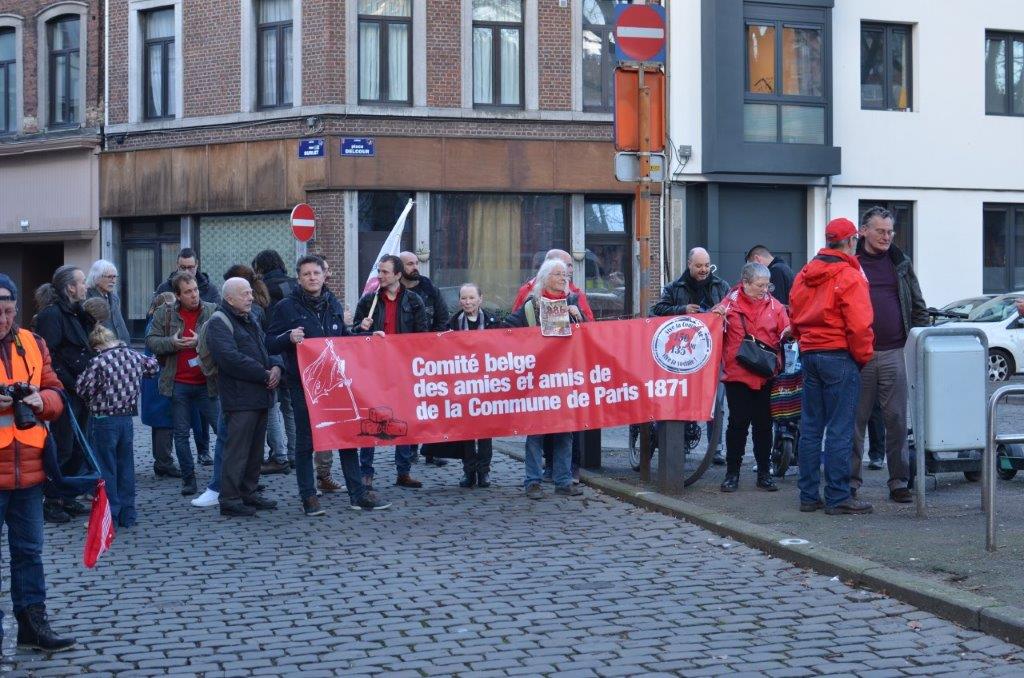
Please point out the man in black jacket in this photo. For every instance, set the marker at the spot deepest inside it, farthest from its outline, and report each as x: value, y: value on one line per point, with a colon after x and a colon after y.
x: 437, y: 310
x: 391, y: 310
x: 189, y: 263
x: 246, y: 379
x: 312, y: 311
x: 697, y: 290
x: 781, y: 274
x: 65, y: 327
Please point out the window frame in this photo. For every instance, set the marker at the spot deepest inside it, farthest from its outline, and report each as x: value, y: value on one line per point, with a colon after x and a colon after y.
x: 278, y: 28
x: 611, y: 238
x: 780, y: 19
x: 9, y: 75
x: 1008, y: 38
x: 496, y: 27
x: 51, y: 77
x: 167, y: 46
x: 608, y: 62
x: 383, y: 84
x: 1009, y: 212
x: 888, y: 29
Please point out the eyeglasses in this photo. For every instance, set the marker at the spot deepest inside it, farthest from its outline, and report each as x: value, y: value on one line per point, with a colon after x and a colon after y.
x: 109, y: 276
x: 885, y: 234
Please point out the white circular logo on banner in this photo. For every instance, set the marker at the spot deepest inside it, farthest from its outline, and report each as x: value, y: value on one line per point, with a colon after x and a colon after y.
x: 682, y: 345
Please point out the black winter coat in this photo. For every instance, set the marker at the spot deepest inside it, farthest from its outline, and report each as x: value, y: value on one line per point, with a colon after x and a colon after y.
x: 518, y: 317
x: 207, y: 292
x: 455, y: 323
x: 782, y: 277
x: 437, y: 311
x: 280, y: 286
x: 913, y: 310
x: 676, y: 296
x: 65, y: 328
x: 293, y: 312
x: 243, y: 363
x: 412, y: 313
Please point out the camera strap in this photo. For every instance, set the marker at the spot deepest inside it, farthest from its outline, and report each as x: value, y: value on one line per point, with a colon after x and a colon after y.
x: 20, y: 350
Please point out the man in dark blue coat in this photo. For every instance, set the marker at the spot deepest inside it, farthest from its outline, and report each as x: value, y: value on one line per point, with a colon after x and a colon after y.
x: 311, y: 310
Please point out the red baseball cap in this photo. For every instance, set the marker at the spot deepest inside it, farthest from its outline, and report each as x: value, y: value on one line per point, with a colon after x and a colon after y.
x: 839, y: 229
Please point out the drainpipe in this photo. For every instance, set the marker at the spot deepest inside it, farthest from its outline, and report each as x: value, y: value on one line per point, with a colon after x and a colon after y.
x: 106, y: 72
x: 828, y: 199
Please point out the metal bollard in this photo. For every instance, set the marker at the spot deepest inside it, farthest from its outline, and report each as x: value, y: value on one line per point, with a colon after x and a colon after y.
x: 989, y: 461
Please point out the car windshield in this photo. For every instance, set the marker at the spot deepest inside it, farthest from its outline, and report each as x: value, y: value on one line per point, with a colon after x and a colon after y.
x: 966, y: 305
x: 994, y: 310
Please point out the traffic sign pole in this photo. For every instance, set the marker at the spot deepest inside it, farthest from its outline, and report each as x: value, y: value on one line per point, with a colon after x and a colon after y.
x: 643, y: 233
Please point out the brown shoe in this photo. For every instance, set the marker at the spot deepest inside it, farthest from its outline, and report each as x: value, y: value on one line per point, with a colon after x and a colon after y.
x: 408, y: 481
x: 327, y: 484
x: 901, y: 495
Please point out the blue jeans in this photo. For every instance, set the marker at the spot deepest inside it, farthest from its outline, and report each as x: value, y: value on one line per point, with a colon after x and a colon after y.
x: 22, y: 511
x: 276, y: 438
x: 111, y: 440
x: 831, y: 393
x: 184, y: 395
x: 218, y: 453
x: 562, y: 470
x: 403, y: 459
x: 304, y: 456
x: 284, y: 397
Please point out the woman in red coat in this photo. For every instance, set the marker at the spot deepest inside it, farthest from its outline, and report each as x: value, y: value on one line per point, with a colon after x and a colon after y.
x: 749, y: 308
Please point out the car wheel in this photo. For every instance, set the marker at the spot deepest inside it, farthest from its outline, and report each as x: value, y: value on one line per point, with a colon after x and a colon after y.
x: 1000, y: 365
x: 1005, y: 469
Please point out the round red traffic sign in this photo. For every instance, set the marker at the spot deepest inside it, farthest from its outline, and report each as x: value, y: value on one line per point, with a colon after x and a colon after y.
x: 303, y: 222
x: 640, y: 32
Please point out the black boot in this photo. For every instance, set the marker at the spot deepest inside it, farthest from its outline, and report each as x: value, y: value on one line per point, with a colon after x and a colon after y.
x: 483, y: 479
x: 34, y: 631
x: 731, y: 482
x: 188, y: 485
x: 468, y: 480
x: 53, y: 512
x: 766, y: 482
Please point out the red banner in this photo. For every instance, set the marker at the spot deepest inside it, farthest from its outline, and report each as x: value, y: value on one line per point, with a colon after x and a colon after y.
x: 421, y: 388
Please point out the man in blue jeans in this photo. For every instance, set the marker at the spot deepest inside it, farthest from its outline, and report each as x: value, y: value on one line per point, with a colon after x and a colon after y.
x: 172, y: 338
x: 831, y: 316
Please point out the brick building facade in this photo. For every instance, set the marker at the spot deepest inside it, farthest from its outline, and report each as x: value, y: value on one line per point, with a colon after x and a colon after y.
x: 475, y: 110
x: 51, y: 112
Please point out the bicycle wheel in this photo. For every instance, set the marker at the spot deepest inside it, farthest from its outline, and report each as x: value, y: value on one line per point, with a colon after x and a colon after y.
x: 634, y: 446
x: 705, y: 449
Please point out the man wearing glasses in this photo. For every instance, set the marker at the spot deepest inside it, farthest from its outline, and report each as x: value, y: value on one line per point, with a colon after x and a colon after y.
x: 102, y: 282
x: 898, y: 306
x: 188, y: 262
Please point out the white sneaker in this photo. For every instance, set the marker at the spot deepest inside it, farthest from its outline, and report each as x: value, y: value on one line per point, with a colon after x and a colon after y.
x: 206, y: 499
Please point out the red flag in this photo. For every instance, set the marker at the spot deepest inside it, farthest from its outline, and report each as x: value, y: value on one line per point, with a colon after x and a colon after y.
x: 101, y: 527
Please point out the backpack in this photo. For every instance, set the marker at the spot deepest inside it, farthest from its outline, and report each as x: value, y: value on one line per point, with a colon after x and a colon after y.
x: 206, y: 363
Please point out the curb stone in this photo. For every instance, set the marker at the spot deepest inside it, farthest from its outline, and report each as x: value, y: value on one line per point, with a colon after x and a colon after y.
x: 980, y: 613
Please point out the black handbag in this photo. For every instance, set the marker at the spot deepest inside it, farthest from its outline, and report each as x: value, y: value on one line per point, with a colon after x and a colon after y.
x: 757, y: 356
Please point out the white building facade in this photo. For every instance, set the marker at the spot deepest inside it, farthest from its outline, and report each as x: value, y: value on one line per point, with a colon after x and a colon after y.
x: 799, y: 111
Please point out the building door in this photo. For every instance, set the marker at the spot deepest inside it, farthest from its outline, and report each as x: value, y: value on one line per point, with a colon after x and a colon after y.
x: 729, y: 219
x: 149, y: 252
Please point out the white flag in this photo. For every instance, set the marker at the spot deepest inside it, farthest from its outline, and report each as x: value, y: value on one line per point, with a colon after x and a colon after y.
x: 393, y: 245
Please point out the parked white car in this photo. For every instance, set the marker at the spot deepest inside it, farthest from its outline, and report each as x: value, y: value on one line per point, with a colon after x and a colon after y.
x: 999, y: 320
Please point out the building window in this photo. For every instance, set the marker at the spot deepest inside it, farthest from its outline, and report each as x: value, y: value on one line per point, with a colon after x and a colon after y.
x: 1003, y: 248
x: 274, y: 53
x: 385, y: 51
x: 885, y: 67
x: 8, y: 82
x: 599, y: 54
x: 785, y: 82
x: 607, y: 266
x: 378, y: 213
x: 64, y: 71
x: 158, y: 63
x: 1004, y: 73
x: 498, y: 53
x: 497, y: 241
x: 903, y: 221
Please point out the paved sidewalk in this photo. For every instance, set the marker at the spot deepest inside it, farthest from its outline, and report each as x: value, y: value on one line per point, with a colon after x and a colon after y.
x: 465, y: 582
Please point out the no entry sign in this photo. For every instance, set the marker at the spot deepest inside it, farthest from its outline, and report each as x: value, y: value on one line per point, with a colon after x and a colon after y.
x: 303, y: 222
x: 640, y: 33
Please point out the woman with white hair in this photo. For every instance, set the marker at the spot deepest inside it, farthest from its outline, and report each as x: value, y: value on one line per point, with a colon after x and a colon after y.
x: 552, y: 283
x: 751, y: 315
x: 102, y: 281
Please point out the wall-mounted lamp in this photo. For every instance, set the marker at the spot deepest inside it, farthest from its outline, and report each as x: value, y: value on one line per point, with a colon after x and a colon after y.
x: 24, y: 225
x: 423, y: 253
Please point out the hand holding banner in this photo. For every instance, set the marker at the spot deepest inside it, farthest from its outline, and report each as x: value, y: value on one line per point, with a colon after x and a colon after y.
x: 419, y: 388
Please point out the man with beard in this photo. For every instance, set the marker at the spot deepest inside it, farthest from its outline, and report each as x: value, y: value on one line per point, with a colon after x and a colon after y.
x: 697, y: 290
x: 437, y: 311
x: 65, y: 326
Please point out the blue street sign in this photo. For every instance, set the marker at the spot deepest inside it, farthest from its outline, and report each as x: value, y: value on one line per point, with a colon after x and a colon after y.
x: 311, y: 148
x: 358, y: 147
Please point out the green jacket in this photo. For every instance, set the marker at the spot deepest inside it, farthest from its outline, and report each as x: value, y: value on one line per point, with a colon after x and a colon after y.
x: 167, y: 323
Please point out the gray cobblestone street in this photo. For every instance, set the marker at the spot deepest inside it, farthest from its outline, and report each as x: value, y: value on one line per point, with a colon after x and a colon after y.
x: 464, y: 582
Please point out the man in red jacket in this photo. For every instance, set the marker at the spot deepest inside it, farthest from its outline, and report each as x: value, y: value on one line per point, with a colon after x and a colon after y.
x: 831, y: 316
x: 25, y: 363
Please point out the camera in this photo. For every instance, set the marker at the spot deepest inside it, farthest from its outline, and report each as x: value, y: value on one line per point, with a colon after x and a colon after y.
x: 24, y: 417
